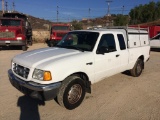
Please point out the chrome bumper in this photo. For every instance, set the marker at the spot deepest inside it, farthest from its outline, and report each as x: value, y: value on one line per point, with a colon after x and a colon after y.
x: 12, y: 42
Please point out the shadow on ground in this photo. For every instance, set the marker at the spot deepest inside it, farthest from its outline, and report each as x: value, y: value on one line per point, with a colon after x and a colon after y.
x: 127, y: 72
x: 29, y: 108
x: 155, y: 49
x: 11, y: 48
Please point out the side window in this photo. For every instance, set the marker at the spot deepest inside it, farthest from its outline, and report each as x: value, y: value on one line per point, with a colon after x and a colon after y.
x: 121, y: 41
x: 107, y: 41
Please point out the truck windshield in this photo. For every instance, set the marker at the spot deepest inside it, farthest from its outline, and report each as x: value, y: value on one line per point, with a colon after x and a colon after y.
x: 7, y: 22
x: 83, y: 41
x: 60, y: 28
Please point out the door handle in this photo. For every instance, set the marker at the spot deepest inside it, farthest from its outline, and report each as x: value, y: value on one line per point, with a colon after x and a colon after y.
x: 90, y: 63
x: 117, y: 55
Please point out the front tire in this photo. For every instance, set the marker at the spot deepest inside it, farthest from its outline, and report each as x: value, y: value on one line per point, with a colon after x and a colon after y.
x: 71, y: 92
x: 138, y: 68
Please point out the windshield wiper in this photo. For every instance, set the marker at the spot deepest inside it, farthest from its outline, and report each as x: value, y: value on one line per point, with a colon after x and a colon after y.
x: 77, y: 48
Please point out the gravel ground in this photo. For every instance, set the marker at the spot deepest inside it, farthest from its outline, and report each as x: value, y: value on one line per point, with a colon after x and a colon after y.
x: 120, y: 97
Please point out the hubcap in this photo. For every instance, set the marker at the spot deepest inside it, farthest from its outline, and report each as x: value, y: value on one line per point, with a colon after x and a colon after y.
x: 74, y: 93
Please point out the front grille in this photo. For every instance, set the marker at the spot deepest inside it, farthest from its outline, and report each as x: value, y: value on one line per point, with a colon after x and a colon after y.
x: 61, y: 34
x: 7, y: 35
x: 20, y: 70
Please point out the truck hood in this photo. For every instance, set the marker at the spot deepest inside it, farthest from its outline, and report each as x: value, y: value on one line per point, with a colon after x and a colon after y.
x: 39, y: 56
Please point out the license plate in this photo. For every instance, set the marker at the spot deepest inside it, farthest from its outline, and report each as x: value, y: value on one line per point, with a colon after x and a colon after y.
x: 7, y: 42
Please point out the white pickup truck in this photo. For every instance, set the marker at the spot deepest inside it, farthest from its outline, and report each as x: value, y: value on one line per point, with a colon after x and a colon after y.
x: 80, y: 59
x: 155, y: 42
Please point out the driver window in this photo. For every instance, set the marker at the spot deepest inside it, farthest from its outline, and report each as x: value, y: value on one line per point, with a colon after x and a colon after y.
x: 108, y: 41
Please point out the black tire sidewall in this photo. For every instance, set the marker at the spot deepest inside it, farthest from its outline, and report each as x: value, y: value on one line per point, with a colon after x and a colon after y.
x: 24, y: 48
x: 141, y: 64
x: 65, y: 95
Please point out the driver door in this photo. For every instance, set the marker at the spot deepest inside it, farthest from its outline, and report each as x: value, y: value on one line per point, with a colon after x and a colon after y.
x: 106, y: 64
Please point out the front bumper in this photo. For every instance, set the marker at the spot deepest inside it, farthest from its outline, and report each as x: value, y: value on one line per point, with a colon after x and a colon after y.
x: 35, y: 90
x: 12, y: 42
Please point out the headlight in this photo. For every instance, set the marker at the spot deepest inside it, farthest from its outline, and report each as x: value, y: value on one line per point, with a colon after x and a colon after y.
x: 42, y: 75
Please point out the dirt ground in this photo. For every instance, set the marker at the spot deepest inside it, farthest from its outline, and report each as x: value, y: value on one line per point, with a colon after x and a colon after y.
x: 120, y: 97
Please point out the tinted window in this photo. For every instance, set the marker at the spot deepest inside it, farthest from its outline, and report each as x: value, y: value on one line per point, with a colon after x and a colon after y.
x: 121, y: 42
x: 108, y: 41
x: 9, y: 22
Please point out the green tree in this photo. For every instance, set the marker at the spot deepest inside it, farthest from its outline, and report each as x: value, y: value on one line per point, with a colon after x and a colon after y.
x: 77, y: 25
x: 121, y: 20
x: 145, y: 13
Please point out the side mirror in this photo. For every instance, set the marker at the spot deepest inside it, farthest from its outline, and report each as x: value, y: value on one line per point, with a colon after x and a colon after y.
x: 102, y: 50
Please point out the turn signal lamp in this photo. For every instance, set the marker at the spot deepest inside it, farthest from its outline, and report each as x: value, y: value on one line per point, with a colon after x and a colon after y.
x: 47, y: 76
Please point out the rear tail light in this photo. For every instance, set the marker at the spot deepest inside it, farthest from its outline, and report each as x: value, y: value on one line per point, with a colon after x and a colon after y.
x: 19, y: 38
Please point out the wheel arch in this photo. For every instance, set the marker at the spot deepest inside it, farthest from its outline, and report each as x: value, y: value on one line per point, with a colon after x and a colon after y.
x: 138, y: 67
x: 84, y: 77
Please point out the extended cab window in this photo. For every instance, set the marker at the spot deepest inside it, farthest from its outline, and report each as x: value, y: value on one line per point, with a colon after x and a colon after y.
x: 107, y: 43
x: 121, y: 41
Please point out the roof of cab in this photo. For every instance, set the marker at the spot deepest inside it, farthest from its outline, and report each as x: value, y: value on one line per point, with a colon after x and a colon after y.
x: 130, y: 30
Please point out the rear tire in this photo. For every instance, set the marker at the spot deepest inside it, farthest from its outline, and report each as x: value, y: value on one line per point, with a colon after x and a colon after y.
x: 30, y: 41
x: 24, y: 47
x: 51, y: 44
x: 71, y: 92
x: 138, y: 68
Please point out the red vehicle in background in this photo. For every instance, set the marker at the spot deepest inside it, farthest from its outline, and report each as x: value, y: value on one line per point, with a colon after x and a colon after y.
x: 153, y: 30
x: 57, y: 32
x: 15, y: 30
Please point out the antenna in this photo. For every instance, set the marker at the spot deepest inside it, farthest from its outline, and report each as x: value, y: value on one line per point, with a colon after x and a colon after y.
x: 109, y: 1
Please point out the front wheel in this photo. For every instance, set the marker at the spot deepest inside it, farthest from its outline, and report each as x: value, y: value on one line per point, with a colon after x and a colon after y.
x: 138, y: 68
x: 71, y: 92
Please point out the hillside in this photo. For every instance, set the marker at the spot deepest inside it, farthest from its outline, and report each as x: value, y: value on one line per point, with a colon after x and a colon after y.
x: 38, y: 23
x: 104, y: 21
